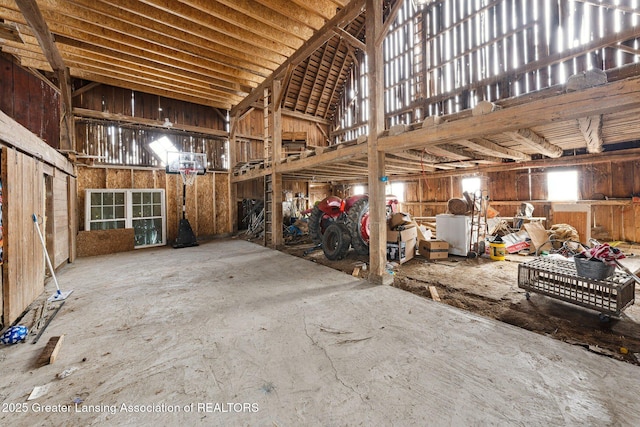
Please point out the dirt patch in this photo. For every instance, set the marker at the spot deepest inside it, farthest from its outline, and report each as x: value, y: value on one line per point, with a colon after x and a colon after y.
x: 490, y: 289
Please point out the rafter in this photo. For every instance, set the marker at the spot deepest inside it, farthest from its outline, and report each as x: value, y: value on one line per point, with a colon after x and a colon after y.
x: 591, y: 128
x: 484, y: 146
x: 535, y: 142
x: 346, y: 15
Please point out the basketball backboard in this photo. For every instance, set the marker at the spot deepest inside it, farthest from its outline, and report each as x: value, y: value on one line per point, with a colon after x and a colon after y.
x: 179, y: 161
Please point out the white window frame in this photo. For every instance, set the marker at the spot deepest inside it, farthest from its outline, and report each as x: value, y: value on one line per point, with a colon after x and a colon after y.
x: 128, y: 201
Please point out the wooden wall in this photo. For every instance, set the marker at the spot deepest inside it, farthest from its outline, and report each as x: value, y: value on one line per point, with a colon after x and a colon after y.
x: 60, y: 226
x: 29, y: 101
x: 250, y: 134
x: 116, y: 100
x: 606, y: 187
x: 24, y: 266
x: 207, y: 200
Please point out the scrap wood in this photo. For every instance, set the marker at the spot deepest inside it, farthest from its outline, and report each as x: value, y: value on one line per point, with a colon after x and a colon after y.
x: 434, y: 293
x: 356, y: 271
x: 50, y: 351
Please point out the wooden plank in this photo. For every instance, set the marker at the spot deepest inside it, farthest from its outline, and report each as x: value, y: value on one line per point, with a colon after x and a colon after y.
x: 23, y: 269
x: 60, y: 220
x: 72, y: 208
x: 50, y: 351
x: 433, y: 291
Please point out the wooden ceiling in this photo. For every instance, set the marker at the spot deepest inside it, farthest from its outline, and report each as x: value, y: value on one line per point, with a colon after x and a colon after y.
x: 203, y: 51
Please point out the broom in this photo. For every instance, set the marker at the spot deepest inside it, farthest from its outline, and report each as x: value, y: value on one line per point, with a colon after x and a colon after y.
x: 59, y: 295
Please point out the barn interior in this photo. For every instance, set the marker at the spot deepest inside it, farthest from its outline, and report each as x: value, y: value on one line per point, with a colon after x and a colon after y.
x: 202, y: 174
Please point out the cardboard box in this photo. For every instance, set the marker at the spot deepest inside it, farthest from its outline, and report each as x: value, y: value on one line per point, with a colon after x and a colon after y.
x: 433, y: 249
x: 402, y: 236
x: 398, y: 219
x: 401, y: 245
x: 515, y: 242
x: 402, y: 251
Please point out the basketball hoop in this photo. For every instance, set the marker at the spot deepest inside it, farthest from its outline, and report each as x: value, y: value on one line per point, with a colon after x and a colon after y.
x: 188, y: 175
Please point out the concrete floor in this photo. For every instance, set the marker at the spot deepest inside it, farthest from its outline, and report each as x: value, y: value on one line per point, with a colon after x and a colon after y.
x: 231, y: 333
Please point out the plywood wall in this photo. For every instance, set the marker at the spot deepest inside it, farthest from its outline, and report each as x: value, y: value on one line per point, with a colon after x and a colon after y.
x: 207, y: 200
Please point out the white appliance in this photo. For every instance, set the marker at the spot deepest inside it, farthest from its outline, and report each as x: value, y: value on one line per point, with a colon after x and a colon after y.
x: 455, y: 230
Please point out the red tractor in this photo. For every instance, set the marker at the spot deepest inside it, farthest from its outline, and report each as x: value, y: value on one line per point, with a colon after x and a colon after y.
x: 338, y: 224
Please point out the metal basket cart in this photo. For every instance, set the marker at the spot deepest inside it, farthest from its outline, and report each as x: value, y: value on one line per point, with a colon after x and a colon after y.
x: 559, y: 279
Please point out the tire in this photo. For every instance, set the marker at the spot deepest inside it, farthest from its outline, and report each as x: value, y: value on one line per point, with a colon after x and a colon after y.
x: 359, y: 218
x: 315, y: 225
x: 336, y: 241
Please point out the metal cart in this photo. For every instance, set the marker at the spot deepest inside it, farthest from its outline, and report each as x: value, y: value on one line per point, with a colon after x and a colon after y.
x: 559, y: 279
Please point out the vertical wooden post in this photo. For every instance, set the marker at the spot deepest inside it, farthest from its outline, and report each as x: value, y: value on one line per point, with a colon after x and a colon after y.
x: 72, y: 207
x: 276, y: 152
x: 376, y: 170
x: 233, y: 187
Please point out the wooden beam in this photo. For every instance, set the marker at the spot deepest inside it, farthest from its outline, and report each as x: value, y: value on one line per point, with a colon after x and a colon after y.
x: 346, y: 15
x: 349, y: 38
x: 612, y: 97
x: 50, y: 351
x: 9, y: 32
x: 490, y: 148
x: 92, y: 114
x: 295, y: 114
x: 530, y: 139
x: 277, y: 238
x: 376, y: 171
x: 19, y: 137
x: 591, y: 128
x: 632, y: 154
x: 34, y: 18
x: 84, y: 89
x: 389, y: 21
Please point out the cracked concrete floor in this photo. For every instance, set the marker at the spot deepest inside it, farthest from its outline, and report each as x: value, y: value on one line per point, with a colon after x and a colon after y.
x: 231, y: 333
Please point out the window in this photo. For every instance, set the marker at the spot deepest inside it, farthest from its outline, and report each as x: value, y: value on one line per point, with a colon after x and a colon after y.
x: 397, y: 189
x: 106, y: 210
x: 471, y: 185
x: 161, y: 147
x: 562, y: 186
x: 358, y: 189
x: 142, y: 210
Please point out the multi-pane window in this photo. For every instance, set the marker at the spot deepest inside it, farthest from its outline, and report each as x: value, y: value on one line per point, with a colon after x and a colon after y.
x: 147, y: 217
x: 142, y: 210
x: 106, y: 210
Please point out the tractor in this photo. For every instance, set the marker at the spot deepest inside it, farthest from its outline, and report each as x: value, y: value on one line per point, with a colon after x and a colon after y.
x: 337, y: 224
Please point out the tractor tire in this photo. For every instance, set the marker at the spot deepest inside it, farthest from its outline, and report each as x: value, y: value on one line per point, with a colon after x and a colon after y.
x: 359, y: 218
x: 315, y: 225
x: 336, y: 241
